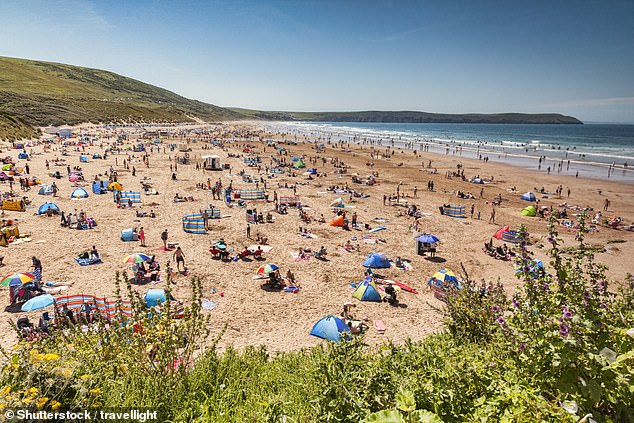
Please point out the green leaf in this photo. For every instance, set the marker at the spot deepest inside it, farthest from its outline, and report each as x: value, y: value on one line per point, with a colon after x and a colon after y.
x: 424, y: 416
x: 385, y: 416
x: 405, y: 401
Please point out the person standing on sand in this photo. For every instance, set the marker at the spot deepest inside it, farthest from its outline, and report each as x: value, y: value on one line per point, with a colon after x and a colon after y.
x: 606, y: 204
x: 492, y: 217
x: 248, y: 230
x: 180, y: 258
x: 164, y: 238
x: 472, y: 209
x: 142, y: 236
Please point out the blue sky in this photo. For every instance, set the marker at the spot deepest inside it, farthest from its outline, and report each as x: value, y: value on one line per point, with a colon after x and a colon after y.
x: 573, y: 57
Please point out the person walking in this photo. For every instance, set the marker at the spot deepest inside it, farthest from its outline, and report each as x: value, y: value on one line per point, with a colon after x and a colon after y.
x: 492, y: 217
x: 180, y: 258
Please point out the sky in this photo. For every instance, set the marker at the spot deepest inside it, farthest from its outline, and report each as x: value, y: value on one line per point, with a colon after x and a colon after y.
x: 570, y: 57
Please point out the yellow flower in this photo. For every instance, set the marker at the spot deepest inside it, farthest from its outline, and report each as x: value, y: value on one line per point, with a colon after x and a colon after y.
x: 85, y: 377
x: 41, y: 402
x: 27, y: 400
x: 5, y: 391
x: 55, y: 405
x: 32, y: 391
x: 51, y: 357
x: 64, y: 372
x: 95, y: 391
x: 3, y: 406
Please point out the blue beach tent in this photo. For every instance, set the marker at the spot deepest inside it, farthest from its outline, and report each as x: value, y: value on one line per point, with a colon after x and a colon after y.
x: 528, y: 196
x: 366, y: 291
x: 44, y: 208
x: 79, y: 193
x: 331, y: 328
x: 377, y: 261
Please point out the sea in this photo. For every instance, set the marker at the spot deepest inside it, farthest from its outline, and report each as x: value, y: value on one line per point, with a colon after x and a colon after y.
x: 601, y: 151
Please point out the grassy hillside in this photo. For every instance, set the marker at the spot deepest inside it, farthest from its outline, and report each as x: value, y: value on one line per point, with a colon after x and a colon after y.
x: 410, y: 117
x: 38, y: 93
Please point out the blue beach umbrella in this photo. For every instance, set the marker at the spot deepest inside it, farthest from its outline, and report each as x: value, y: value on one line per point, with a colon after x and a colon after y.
x: 330, y: 328
x: 428, y: 238
x: 39, y: 302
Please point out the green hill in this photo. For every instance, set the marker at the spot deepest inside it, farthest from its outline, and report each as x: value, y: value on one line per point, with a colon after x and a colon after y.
x: 35, y: 93
x: 410, y: 117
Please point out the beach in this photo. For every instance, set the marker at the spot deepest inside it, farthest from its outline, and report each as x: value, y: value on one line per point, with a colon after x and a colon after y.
x: 282, y: 320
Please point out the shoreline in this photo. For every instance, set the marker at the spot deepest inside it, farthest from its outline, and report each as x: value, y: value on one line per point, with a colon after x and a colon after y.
x: 570, y: 165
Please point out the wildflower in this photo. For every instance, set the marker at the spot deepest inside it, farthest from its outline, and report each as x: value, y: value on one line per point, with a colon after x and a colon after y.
x: 550, y: 239
x: 2, y: 406
x: 51, y: 357
x: 41, y: 402
x: 5, y: 391
x: 522, y: 346
x: 516, y: 303
x: 495, y: 309
x: 85, y: 377
x: 603, y: 306
x: 55, y: 405
x: 95, y: 391
x: 563, y: 330
x: 500, y: 320
x: 32, y: 391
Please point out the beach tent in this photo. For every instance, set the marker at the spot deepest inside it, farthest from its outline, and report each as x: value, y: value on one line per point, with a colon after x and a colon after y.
x: 79, y: 193
x: 529, y: 211
x: 46, y: 190
x: 44, y: 208
x: 23, y: 156
x: 443, y: 283
x: 154, y: 297
x: 377, y: 261
x: 366, y: 291
x: 337, y: 221
x: 299, y: 164
x: 337, y: 203
x: 96, y: 156
x: 477, y: 181
x: 331, y: 328
x: 312, y: 171
x: 128, y: 235
x: 194, y: 223
x: 99, y: 187
x: 212, y: 162
x: 83, y: 159
x: 528, y: 196
x: 115, y: 186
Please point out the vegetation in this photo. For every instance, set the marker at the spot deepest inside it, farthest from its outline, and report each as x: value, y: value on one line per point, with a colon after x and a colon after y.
x: 559, y: 349
x: 410, y: 117
x: 42, y: 93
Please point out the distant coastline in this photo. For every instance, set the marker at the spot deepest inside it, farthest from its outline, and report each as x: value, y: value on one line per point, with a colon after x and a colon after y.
x: 411, y: 117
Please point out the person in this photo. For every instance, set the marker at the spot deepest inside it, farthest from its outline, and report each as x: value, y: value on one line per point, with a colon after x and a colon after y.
x: 94, y: 254
x: 399, y: 262
x: 248, y: 230
x: 142, y: 236
x: 290, y: 277
x: 492, y: 217
x: 164, y: 239
x: 390, y: 296
x: 37, y: 270
x: 180, y: 258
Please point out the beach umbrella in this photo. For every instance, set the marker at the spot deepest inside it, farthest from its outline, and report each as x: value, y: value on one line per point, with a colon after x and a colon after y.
x: 16, y: 279
x: 115, y: 186
x: 39, y: 302
x: 267, y: 268
x: 331, y: 328
x: 428, y: 238
x: 136, y: 258
x: 528, y: 196
x: 500, y: 232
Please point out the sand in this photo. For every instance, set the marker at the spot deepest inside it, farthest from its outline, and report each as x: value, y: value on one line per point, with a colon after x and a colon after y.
x: 280, y: 320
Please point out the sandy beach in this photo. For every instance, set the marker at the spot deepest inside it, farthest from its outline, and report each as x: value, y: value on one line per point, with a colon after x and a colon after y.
x: 282, y: 320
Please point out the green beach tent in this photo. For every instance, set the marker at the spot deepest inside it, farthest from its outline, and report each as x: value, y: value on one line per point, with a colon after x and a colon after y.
x: 299, y: 164
x: 530, y: 211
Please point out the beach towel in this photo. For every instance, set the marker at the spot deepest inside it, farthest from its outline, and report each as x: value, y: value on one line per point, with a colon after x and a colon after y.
x: 306, y: 235
x: 406, y: 265
x: 379, y: 326
x: 369, y: 241
x: 295, y: 256
x: 87, y: 262
x: 292, y: 288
